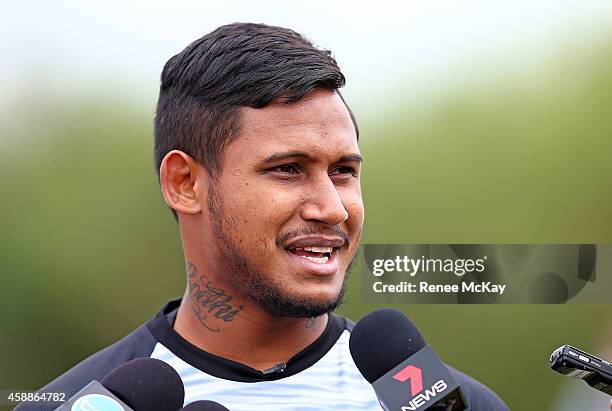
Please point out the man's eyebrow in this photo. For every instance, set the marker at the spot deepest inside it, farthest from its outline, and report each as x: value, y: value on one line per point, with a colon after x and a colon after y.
x: 301, y: 154
x: 351, y: 157
x: 285, y: 155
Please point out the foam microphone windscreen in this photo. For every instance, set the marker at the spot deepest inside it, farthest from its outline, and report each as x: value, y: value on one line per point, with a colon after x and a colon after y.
x: 204, y: 406
x: 147, y: 384
x: 381, y: 340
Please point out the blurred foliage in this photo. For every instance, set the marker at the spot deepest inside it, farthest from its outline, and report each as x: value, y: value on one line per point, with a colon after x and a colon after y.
x: 88, y: 250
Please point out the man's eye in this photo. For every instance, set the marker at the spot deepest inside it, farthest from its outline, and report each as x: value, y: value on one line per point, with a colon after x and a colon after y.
x: 344, y: 171
x: 286, y: 168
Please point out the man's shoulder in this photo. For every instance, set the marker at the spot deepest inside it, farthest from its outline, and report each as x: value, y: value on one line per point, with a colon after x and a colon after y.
x: 139, y: 343
x: 341, y: 322
x: 477, y: 395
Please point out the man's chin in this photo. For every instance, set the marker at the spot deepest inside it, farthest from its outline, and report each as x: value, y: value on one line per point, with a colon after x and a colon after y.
x: 300, y: 306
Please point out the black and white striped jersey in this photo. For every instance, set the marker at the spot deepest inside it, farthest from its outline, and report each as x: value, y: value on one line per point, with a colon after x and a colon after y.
x: 321, y: 377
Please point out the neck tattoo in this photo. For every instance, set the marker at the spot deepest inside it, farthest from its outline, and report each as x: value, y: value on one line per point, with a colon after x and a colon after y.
x: 209, y: 301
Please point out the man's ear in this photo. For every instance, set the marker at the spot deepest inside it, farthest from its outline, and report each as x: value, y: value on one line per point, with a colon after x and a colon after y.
x: 183, y: 182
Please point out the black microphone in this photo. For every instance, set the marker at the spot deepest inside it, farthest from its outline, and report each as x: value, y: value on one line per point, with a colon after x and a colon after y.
x: 94, y: 396
x: 405, y: 372
x: 204, y: 406
x: 142, y: 384
x: 147, y: 384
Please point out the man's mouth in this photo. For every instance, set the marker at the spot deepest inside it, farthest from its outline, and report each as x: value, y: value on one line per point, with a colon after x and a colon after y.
x: 319, y: 255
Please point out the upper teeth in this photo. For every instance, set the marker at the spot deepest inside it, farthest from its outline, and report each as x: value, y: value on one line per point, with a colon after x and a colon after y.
x: 317, y: 249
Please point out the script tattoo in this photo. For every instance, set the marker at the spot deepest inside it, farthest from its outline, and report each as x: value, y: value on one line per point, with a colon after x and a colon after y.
x: 207, y: 301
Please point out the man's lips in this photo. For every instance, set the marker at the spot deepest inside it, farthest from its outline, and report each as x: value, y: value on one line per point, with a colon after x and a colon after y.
x: 324, y: 264
x: 315, y: 241
x: 317, y: 254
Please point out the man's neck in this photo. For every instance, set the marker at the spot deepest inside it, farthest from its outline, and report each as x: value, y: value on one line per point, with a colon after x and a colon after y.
x: 219, y: 323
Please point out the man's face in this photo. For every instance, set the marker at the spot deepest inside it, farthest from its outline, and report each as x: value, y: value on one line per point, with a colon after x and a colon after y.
x: 286, y: 211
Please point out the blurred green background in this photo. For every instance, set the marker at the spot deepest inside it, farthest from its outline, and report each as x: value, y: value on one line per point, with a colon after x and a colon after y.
x: 88, y: 250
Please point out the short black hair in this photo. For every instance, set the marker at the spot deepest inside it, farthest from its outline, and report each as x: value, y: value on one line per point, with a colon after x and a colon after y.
x: 239, y: 64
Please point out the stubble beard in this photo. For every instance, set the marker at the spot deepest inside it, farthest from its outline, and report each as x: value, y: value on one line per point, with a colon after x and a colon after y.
x: 259, y: 287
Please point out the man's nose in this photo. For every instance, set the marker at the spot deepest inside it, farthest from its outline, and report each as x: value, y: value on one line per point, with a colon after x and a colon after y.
x: 323, y: 203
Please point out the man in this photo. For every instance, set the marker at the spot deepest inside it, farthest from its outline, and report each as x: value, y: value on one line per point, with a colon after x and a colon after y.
x: 258, y: 159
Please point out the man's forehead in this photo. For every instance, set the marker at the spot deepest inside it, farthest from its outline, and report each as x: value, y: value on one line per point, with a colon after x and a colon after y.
x: 319, y: 109
x: 318, y: 125
x: 275, y: 149
x: 292, y: 154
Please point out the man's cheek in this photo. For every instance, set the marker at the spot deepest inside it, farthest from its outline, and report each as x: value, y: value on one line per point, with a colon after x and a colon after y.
x: 263, y: 249
x: 254, y: 199
x: 353, y: 203
x: 355, y: 227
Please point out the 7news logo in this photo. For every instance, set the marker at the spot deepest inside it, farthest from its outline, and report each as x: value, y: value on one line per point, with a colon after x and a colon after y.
x: 419, y: 396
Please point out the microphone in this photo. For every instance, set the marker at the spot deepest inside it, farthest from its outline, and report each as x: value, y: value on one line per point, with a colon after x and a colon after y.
x: 204, y: 406
x: 147, y: 384
x: 405, y: 372
x: 94, y: 396
x: 594, y: 371
x: 142, y: 384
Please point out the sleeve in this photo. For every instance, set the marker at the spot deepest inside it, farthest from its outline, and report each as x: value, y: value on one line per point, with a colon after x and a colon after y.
x: 478, y: 396
x: 139, y: 343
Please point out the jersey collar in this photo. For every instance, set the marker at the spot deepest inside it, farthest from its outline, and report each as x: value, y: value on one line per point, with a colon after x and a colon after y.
x: 161, y: 326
